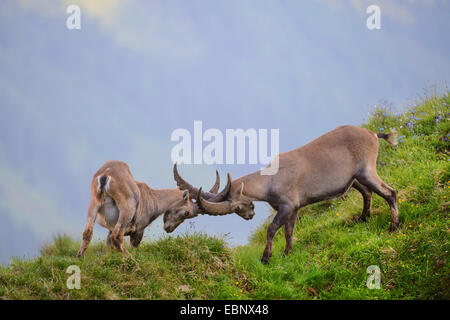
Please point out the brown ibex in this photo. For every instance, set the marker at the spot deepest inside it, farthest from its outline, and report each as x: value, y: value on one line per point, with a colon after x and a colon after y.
x: 126, y: 207
x: 323, y: 169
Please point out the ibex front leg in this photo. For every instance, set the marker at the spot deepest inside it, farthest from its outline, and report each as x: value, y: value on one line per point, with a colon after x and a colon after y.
x: 284, y: 213
x: 87, y: 233
x: 289, y: 231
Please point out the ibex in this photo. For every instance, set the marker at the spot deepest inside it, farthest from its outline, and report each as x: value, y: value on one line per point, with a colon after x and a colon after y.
x: 126, y: 207
x: 323, y: 169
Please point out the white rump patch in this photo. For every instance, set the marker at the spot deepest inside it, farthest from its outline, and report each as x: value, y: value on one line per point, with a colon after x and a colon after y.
x: 98, y: 183
x: 106, y: 184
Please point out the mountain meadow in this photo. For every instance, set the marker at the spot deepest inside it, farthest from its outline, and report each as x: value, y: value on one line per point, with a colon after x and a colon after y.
x: 332, y: 250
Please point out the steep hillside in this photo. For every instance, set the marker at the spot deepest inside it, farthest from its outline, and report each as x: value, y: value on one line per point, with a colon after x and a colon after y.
x: 331, y: 254
x: 332, y: 251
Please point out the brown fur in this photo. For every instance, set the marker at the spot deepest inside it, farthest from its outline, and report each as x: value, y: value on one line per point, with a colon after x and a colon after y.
x: 135, y: 203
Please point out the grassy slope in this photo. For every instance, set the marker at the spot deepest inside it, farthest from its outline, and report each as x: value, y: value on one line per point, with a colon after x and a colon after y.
x: 331, y: 250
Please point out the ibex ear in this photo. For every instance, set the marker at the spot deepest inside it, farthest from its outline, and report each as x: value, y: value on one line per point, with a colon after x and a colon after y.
x: 242, y: 189
x: 185, y: 195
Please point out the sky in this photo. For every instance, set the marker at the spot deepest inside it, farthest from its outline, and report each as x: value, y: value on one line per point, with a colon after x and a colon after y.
x: 138, y: 70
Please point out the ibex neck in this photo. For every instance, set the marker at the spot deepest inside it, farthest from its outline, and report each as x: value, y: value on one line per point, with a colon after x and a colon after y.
x: 166, y: 197
x: 255, y: 186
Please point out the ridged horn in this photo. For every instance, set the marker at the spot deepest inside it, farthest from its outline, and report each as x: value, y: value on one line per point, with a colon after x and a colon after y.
x: 184, y: 185
x: 216, y: 185
x: 213, y: 208
x: 222, y: 195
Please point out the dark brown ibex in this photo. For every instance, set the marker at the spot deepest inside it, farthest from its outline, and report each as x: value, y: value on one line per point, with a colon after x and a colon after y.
x: 126, y: 207
x: 323, y: 169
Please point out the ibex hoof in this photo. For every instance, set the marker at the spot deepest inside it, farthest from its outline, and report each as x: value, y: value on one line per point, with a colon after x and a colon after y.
x: 264, y: 260
x: 362, y: 219
x: 393, y: 227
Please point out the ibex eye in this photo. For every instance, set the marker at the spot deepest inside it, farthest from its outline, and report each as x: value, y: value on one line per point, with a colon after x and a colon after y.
x: 186, y: 213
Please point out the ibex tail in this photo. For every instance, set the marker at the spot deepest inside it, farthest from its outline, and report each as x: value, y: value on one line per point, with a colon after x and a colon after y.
x: 103, y: 182
x: 390, y: 137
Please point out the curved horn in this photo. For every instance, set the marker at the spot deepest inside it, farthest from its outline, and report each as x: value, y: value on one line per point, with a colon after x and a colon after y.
x: 216, y: 185
x: 224, y: 193
x: 184, y: 185
x: 213, y: 208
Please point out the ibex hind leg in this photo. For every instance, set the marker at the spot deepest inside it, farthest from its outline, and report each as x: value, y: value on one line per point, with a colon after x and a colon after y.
x: 126, y: 212
x: 372, y: 181
x: 367, y: 200
x: 88, y: 230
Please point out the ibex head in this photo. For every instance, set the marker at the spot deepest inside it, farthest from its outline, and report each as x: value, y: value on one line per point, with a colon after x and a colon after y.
x: 178, y: 212
x: 237, y: 203
x: 221, y: 203
x: 186, y: 208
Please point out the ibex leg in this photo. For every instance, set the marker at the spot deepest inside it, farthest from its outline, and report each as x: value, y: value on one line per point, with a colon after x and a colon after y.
x: 127, y: 209
x: 371, y: 180
x: 289, y: 231
x: 87, y: 233
x: 284, y: 213
x: 367, y: 198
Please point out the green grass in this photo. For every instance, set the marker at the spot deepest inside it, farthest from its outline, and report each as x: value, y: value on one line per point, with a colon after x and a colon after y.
x: 185, y: 267
x: 331, y: 250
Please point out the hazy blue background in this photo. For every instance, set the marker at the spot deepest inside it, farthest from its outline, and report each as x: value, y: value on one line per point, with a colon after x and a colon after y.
x: 137, y: 70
